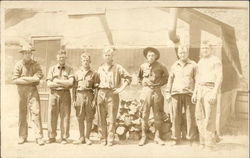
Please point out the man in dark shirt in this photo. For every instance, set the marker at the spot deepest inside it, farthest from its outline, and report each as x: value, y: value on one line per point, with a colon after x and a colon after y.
x: 152, y: 75
x: 83, y: 95
x: 60, y: 79
x: 27, y: 74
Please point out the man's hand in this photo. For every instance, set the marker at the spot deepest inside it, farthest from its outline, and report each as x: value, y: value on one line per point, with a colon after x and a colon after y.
x: 194, y: 98
x: 168, y: 97
x: 118, y: 90
x: 74, y: 103
x: 212, y: 98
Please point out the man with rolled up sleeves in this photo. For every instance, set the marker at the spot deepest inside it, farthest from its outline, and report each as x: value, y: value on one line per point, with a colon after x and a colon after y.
x: 179, y: 89
x: 152, y: 75
x: 27, y: 74
x: 60, y: 79
x: 110, y: 85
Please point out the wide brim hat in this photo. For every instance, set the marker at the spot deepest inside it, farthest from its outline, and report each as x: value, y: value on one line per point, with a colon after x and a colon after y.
x: 27, y: 49
x: 151, y: 49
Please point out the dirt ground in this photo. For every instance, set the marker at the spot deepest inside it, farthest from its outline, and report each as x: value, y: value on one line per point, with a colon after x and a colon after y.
x: 229, y: 147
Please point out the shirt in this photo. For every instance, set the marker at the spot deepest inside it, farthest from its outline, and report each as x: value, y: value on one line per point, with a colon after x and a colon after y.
x: 27, y: 69
x: 60, y: 72
x: 86, y: 79
x: 182, y: 78
x: 209, y: 69
x: 111, y: 77
x: 153, y: 75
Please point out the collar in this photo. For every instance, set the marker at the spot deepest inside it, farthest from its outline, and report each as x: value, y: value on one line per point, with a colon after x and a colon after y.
x: 187, y: 62
x: 28, y: 62
x: 82, y: 69
x: 61, y: 66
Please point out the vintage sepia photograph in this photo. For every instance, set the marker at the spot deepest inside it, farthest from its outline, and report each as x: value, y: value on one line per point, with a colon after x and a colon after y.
x: 120, y: 79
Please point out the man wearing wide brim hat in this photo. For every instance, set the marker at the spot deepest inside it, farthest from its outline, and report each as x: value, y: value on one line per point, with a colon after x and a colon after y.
x: 152, y: 75
x: 151, y: 49
x: 27, y: 74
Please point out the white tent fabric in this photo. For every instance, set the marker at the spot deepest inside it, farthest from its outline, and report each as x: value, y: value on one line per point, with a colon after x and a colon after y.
x: 132, y: 27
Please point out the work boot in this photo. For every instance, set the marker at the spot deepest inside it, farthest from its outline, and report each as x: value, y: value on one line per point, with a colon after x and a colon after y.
x: 22, y: 140
x: 88, y: 141
x: 79, y: 141
x: 142, y: 141
x: 64, y: 141
x: 202, y: 146
x: 39, y: 141
x: 159, y: 141
x: 175, y: 142
x: 104, y: 142
x: 110, y: 143
x: 51, y: 140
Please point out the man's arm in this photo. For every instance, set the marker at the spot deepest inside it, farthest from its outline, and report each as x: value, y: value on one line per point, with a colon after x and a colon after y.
x: 66, y: 83
x: 165, y: 76
x: 127, y: 80
x: 170, y: 83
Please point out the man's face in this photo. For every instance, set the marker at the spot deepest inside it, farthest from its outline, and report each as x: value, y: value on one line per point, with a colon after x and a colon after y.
x: 85, y: 62
x: 108, y: 57
x: 151, y: 57
x: 205, y: 50
x: 183, y: 54
x: 27, y: 55
x: 61, y: 58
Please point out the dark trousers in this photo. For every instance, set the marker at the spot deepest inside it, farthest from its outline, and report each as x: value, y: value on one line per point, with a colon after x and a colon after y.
x: 183, y: 117
x: 59, y: 103
x: 29, y: 101
x: 84, y: 111
x: 107, y: 109
x: 152, y: 98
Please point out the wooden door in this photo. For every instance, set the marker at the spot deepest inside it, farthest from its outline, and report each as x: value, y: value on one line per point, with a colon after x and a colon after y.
x: 46, y: 50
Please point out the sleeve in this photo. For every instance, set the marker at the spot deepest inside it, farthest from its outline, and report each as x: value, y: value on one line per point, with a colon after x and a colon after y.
x: 50, y: 74
x: 165, y: 75
x: 124, y: 74
x: 38, y: 72
x: 170, y: 80
x: 71, y: 73
x: 17, y: 71
x: 140, y: 75
x: 195, y: 72
x: 96, y: 80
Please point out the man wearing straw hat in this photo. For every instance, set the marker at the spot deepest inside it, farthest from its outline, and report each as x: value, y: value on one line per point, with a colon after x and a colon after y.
x: 60, y: 79
x: 27, y: 74
x: 110, y: 85
x: 152, y: 75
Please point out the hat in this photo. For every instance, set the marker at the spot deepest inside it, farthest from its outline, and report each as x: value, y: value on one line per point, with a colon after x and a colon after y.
x: 151, y: 49
x: 26, y: 48
x: 85, y: 56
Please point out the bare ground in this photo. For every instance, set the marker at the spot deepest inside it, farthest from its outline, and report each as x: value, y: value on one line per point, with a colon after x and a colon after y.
x: 229, y: 147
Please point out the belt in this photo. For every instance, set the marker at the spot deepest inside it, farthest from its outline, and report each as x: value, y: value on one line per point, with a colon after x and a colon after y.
x: 107, y: 89
x: 209, y: 84
x: 85, y: 90
x: 59, y: 90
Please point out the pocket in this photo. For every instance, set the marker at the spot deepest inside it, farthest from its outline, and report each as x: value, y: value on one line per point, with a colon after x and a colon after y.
x: 65, y: 75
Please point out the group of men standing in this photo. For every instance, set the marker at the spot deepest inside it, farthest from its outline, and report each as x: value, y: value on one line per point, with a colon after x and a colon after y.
x: 191, y: 89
